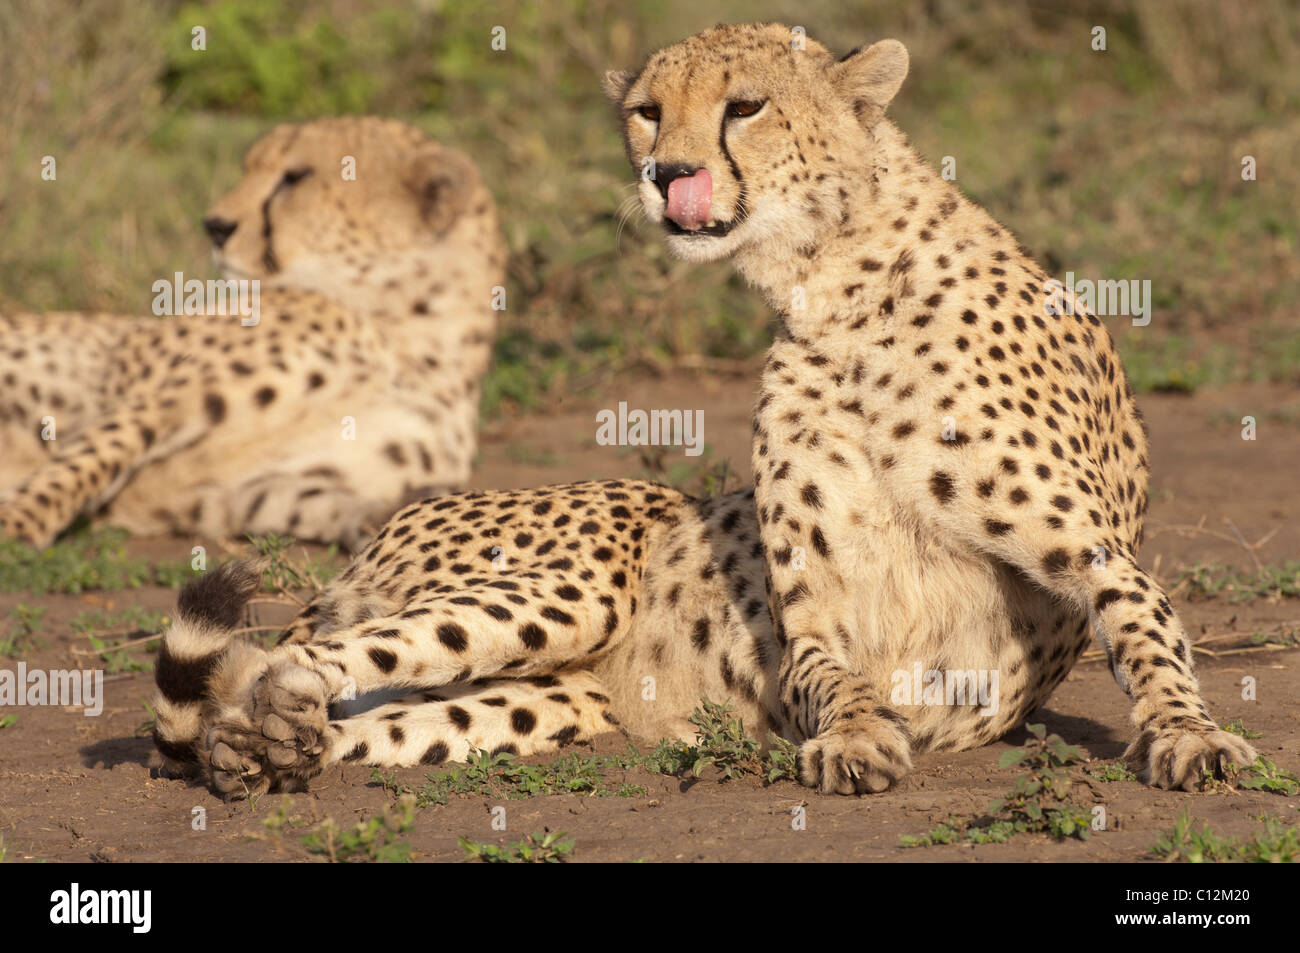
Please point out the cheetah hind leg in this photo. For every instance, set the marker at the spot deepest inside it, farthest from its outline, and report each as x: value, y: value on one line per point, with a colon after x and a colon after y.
x: 523, y: 716
x: 271, y: 731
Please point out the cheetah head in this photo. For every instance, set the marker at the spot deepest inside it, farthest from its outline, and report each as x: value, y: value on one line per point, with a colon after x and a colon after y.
x: 335, y: 204
x: 746, y: 137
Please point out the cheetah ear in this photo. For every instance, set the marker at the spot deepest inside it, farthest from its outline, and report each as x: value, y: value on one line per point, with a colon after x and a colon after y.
x: 442, y: 182
x: 870, y: 78
x: 616, y: 84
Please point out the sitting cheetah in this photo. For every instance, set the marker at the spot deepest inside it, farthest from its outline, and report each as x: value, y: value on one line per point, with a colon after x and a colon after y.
x: 948, y: 478
x: 377, y: 251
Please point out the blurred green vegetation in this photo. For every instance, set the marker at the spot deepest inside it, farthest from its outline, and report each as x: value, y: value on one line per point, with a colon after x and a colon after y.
x: 1124, y: 163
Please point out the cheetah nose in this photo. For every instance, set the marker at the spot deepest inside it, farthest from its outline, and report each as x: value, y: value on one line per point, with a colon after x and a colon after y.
x: 690, y: 198
x: 219, y: 230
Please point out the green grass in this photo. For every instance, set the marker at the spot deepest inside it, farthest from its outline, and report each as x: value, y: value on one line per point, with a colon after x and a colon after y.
x: 118, y: 637
x: 128, y: 622
x: 1284, y: 635
x: 84, y: 560
x: 25, y: 622
x: 1113, y: 772
x: 544, y: 848
x: 722, y: 747
x: 1240, y: 585
x: 1170, y: 364
x: 504, y: 775
x: 1273, y: 843
x: 1036, y: 804
x: 145, y: 728
x: 1288, y: 415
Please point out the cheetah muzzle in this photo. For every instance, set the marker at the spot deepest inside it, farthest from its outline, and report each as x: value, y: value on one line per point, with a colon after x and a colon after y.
x: 355, y: 384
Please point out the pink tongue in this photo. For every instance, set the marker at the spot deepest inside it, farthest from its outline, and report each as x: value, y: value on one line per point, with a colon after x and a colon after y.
x: 689, y: 199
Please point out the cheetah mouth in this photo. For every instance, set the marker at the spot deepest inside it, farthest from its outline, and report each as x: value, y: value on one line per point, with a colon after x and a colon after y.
x: 716, y: 230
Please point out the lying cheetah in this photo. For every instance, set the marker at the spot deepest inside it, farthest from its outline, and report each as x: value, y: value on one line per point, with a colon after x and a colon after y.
x: 377, y: 251
x: 948, y: 477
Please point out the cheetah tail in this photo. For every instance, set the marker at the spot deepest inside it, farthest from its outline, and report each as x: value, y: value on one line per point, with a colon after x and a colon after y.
x: 208, y: 611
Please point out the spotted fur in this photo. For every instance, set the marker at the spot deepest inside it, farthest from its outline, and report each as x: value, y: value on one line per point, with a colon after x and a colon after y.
x: 375, y: 305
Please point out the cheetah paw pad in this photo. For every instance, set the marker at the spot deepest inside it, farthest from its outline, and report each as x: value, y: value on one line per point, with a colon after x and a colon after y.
x: 280, y: 738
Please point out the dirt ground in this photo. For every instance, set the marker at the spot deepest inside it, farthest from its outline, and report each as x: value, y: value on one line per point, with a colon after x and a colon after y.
x: 76, y: 788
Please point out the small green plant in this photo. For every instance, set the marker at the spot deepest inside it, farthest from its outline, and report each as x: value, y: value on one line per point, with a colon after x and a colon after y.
x: 282, y: 820
x: 1264, y: 775
x: 22, y: 630
x: 389, y: 783
x: 782, y: 759
x: 503, y: 775
x: 1115, y: 771
x: 8, y: 721
x: 1237, y: 728
x: 545, y: 848
x: 1286, y: 635
x: 722, y: 743
x: 371, y: 841
x: 1186, y: 845
x: 699, y: 476
x: 145, y: 728
x: 1238, y: 585
x: 281, y: 572
x: 1275, y: 843
x: 1036, y: 804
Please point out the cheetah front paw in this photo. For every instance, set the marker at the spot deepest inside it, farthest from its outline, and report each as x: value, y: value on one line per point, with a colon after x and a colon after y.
x: 277, y: 739
x: 864, y: 754
x: 19, y: 525
x: 1180, y: 757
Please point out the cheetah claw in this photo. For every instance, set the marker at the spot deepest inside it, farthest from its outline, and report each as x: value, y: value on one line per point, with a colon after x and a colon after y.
x: 1179, y: 758
x: 866, y: 757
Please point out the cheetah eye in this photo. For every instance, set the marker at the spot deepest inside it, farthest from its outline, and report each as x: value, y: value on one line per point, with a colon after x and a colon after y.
x: 294, y: 176
x: 744, y: 107
x: 649, y: 112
